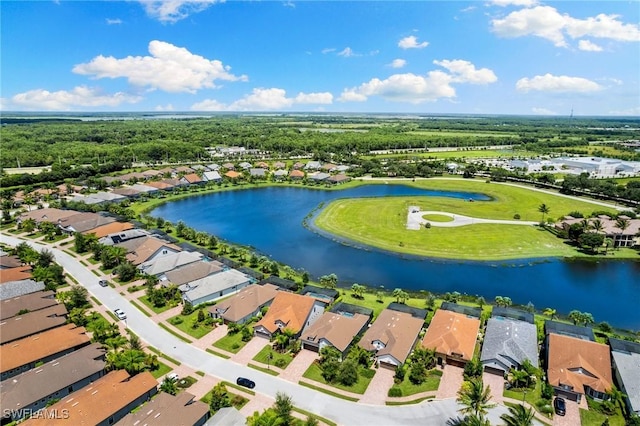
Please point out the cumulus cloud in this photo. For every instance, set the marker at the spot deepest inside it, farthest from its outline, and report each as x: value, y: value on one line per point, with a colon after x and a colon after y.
x: 63, y: 100
x: 525, y: 3
x: 546, y: 22
x: 589, y: 46
x: 557, y: 84
x: 411, y: 42
x: 398, y: 63
x: 169, y: 68
x: 174, y: 10
x: 265, y: 99
x: 466, y: 72
x: 114, y: 21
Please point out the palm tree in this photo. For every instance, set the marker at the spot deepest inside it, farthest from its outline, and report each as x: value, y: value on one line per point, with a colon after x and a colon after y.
x: 469, y: 421
x: 544, y: 209
x: 475, y: 398
x: 550, y: 312
x: 169, y: 385
x: 622, y: 224
x: 597, y: 226
x: 616, y: 396
x: 518, y: 415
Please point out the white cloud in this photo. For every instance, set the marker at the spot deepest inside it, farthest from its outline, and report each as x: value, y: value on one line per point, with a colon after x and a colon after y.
x: 169, y: 68
x: 635, y: 111
x: 114, y: 21
x: 589, y: 46
x: 347, y: 52
x: 328, y: 50
x: 264, y: 99
x: 404, y: 88
x: 466, y: 72
x: 175, y: 10
x: 558, y: 84
x: 543, y: 111
x: 398, y: 63
x: 548, y: 23
x: 314, y: 98
x: 289, y: 4
x: 411, y: 42
x: 525, y: 3
x: 167, y: 107
x: 63, y: 100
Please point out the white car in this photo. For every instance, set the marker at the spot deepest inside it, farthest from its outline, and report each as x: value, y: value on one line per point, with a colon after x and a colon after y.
x: 120, y: 314
x: 173, y: 376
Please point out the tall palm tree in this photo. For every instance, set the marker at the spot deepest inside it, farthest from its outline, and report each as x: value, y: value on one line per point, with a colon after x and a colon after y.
x: 475, y: 398
x: 622, y: 224
x: 597, y: 226
x: 518, y: 415
x: 544, y: 209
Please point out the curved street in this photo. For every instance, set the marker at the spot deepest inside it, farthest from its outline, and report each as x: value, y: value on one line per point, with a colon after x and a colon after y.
x: 338, y: 410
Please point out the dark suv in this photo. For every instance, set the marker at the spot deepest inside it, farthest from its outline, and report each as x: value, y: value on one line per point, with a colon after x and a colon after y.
x: 560, y: 406
x: 246, y: 382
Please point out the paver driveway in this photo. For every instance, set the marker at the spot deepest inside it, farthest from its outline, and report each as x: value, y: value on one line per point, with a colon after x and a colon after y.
x: 299, y: 365
x: 571, y: 418
x: 496, y: 384
x: 250, y: 350
x: 452, y: 378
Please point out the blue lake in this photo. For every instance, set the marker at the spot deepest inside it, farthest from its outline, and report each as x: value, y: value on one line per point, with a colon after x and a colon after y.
x: 270, y: 220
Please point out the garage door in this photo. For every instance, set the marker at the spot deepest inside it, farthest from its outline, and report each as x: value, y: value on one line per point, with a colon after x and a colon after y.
x: 495, y: 371
x: 455, y: 362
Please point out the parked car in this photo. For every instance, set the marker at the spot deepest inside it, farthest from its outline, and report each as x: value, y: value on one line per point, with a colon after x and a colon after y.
x: 173, y: 376
x: 246, y: 382
x: 560, y: 405
x: 103, y: 283
x: 120, y: 314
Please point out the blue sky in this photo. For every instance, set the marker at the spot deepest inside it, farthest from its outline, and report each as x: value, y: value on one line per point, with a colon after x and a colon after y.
x: 478, y: 57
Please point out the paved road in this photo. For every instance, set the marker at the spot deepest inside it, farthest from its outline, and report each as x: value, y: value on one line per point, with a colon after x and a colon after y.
x: 415, y: 219
x: 341, y: 411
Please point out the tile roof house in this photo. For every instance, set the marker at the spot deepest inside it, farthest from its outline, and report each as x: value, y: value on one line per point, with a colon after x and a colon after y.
x: 191, y: 272
x: 119, y: 237
x: 626, y: 366
x: 192, y: 179
x: 127, y: 191
x: 338, y: 179
x: 18, y: 273
x: 298, y: 165
x: 258, y: 173
x: 84, y: 222
x: 110, y: 197
x: 334, y: 329
x: 241, y: 307
x: 392, y: 337
x: 262, y: 165
x: 110, y: 228
x: 32, y: 390
x: 183, y: 169
x: 289, y: 311
x: 232, y: 174
x: 227, y: 416
x: 296, y: 174
x: 577, y: 366
x: 229, y: 166
x: 104, y: 402
x: 140, y: 250
x: 244, y: 165
x: 143, y: 188
x: 12, y: 289
x: 280, y: 174
x: 212, y: 176
x: 161, y: 185
x: 279, y: 165
x: 627, y: 238
x: 163, y: 264
x: 47, y: 215
x: 507, y: 343
x: 166, y: 409
x: 319, y: 176
x: 313, y: 165
x: 31, y: 302
x: 453, y: 336
x: 213, y: 287
x: 31, y: 323
x: 9, y: 262
x: 22, y: 355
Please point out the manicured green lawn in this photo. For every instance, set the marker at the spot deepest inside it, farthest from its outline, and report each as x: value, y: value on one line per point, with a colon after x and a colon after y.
x: 369, y: 300
x: 364, y: 378
x: 594, y: 417
x: 162, y: 370
x: 238, y: 401
x: 263, y: 357
x: 437, y: 218
x: 431, y: 384
x: 231, y: 343
x: 381, y: 222
x: 186, y: 325
x: 148, y: 304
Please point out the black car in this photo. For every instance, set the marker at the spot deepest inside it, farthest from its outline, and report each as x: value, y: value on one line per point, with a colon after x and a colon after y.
x: 560, y: 406
x: 246, y: 382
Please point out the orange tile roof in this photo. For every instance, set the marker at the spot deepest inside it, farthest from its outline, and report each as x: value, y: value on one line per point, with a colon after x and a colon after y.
x: 578, y: 363
x: 15, y: 274
x: 34, y: 348
x: 296, y: 173
x: 451, y: 333
x: 192, y: 178
x: 398, y: 331
x: 231, y: 174
x: 110, y: 228
x: 95, y: 403
x: 159, y: 185
x: 290, y: 309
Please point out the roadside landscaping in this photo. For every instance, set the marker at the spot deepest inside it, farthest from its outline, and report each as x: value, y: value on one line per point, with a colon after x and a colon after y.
x: 407, y: 388
x: 196, y: 324
x: 269, y: 356
x: 314, y: 372
x: 231, y: 343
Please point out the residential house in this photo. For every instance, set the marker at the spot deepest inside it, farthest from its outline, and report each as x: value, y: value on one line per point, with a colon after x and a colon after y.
x: 338, y: 179
x: 145, y: 249
x: 324, y: 295
x: 214, y: 286
x: 243, y: 306
x: 127, y: 191
x: 119, y: 237
x: 161, y: 185
x: 183, y: 170
x: 144, y: 189
x: 212, y: 176
x: 110, y: 229
x: 626, y: 366
x: 174, y: 182
x: 12, y: 289
x: 335, y: 329
x: 453, y: 336
x: 392, y: 337
x: 328, y: 167
x: 213, y: 167
x: 296, y: 174
x: 279, y: 165
x: 162, y: 264
x: 84, y: 222
x: 32, y: 390
x: 233, y: 175
x: 229, y: 166
x: 298, y: 165
x: 104, y: 402
x: 192, y: 179
x: 262, y: 165
x: 318, y: 176
x: 280, y: 174
x: 289, y: 311
x: 313, y: 165
x: 18, y: 273
x: 258, y: 173
x: 509, y: 341
x: 166, y: 409
x: 191, y: 272
x: 50, y: 215
x: 109, y: 197
x: 8, y: 262
x: 23, y: 355
x: 227, y: 416
x: 151, y: 174
x: 87, y: 199
x: 29, y: 302
x: 245, y: 166
x: 628, y: 238
x: 30, y: 323
x: 281, y: 283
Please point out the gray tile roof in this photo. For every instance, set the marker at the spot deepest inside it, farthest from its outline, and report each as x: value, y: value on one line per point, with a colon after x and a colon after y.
x: 626, y: 359
x: 215, y: 283
x: 508, y: 343
x: 13, y: 289
x: 163, y: 264
x: 32, y: 302
x: 193, y: 271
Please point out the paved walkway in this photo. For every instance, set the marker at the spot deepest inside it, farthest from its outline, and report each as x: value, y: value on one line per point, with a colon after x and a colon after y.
x: 415, y: 220
x: 379, y: 386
